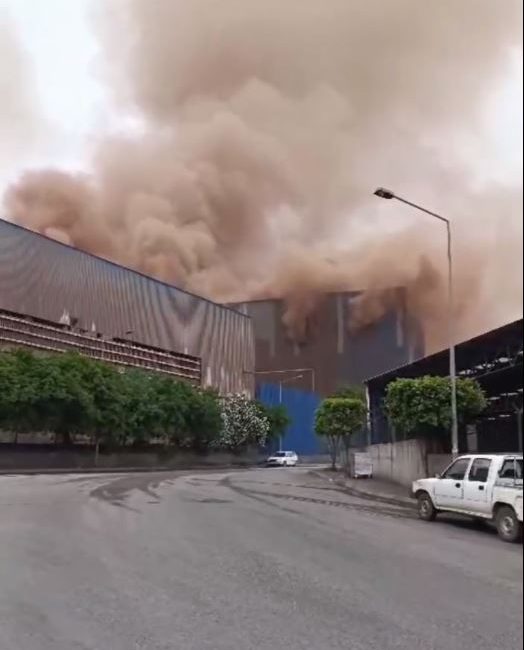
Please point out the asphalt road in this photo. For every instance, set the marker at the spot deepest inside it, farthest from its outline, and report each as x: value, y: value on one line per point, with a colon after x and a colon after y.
x: 261, y: 559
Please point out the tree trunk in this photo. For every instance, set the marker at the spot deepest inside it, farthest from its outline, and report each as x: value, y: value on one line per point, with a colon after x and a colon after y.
x: 66, y: 438
x: 333, y: 451
x: 347, y: 446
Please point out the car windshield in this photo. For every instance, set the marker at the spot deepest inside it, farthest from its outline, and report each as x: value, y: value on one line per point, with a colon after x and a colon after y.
x: 280, y: 454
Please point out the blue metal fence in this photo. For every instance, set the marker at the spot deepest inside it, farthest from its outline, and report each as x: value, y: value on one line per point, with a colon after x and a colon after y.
x: 301, y: 406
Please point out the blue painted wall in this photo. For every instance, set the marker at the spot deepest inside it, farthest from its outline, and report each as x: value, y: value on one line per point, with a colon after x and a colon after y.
x: 301, y: 406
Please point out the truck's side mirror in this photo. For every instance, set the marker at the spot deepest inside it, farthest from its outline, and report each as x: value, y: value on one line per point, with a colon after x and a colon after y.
x: 437, y: 475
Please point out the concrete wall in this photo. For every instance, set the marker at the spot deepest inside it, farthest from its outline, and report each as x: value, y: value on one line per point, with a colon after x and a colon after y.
x: 405, y: 461
x: 25, y: 457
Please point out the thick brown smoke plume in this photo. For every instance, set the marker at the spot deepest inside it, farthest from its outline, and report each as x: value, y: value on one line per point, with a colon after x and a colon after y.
x: 265, y: 126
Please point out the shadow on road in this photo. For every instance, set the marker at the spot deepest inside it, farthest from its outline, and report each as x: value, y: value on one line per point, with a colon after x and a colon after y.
x: 465, y: 523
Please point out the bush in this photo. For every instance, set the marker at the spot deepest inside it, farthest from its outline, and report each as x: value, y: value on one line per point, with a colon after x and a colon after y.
x: 351, y: 392
x: 68, y: 394
x: 203, y: 419
x: 243, y: 424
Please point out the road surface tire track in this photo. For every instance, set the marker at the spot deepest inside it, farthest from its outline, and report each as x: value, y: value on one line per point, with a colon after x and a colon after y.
x: 397, y: 513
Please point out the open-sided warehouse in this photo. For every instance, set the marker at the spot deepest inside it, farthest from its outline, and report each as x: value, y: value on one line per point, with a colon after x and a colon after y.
x: 495, y: 360
x: 56, y: 296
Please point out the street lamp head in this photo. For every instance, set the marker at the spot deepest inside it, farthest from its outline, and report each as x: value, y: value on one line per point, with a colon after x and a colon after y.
x: 383, y: 193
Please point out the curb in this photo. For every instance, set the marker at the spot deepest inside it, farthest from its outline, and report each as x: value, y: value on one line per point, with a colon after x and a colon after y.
x: 381, y: 497
x: 118, y: 470
x: 126, y: 470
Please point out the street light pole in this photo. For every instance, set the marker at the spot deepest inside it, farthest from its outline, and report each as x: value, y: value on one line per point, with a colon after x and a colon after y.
x: 286, y: 371
x: 383, y: 193
x: 452, y: 356
x: 280, y: 393
x: 280, y: 404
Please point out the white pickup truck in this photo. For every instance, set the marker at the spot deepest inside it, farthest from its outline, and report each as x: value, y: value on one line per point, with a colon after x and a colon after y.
x: 482, y: 486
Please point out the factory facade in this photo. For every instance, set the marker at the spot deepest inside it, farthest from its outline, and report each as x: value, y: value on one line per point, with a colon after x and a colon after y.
x: 333, y: 353
x: 54, y: 297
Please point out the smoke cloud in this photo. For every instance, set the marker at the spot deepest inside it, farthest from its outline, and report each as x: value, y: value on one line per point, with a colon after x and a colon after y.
x: 264, y: 128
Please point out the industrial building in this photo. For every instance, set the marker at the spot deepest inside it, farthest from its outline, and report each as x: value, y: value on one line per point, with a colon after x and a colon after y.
x: 495, y: 360
x: 332, y: 353
x: 55, y: 297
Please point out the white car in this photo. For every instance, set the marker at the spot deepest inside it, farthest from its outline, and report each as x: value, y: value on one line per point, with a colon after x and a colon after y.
x: 483, y: 486
x: 282, y: 459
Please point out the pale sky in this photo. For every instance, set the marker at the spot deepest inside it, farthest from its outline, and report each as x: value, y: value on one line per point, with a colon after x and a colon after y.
x: 57, y: 37
x: 62, y: 50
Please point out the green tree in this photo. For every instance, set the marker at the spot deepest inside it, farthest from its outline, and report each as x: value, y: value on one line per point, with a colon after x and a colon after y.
x: 170, y: 401
x: 278, y: 418
x: 422, y: 405
x: 56, y: 397
x: 105, y: 385
x: 160, y: 409
x: 13, y: 409
x: 355, y: 414
x: 351, y: 392
x: 204, y: 419
x: 143, y: 415
x: 337, y: 420
x: 70, y: 394
x: 47, y: 393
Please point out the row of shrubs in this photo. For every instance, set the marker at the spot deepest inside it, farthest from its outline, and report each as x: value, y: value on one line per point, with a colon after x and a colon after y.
x: 73, y: 397
x: 419, y: 406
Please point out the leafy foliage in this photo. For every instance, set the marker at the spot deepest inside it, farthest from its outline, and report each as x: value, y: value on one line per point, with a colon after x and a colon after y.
x: 68, y: 395
x: 203, y: 420
x: 337, y: 420
x: 278, y: 419
x: 351, y: 392
x: 423, y: 405
x: 243, y: 424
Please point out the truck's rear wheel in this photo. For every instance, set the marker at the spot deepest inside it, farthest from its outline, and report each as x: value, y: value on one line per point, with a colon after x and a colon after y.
x: 426, y: 509
x: 508, y: 526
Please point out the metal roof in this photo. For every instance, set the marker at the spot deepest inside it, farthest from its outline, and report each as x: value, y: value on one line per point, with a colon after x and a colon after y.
x: 470, y: 354
x: 105, y: 260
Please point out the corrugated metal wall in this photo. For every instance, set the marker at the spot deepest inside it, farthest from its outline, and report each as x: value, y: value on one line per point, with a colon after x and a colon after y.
x: 46, y: 279
x: 494, y: 358
x: 301, y: 407
x: 338, y: 355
